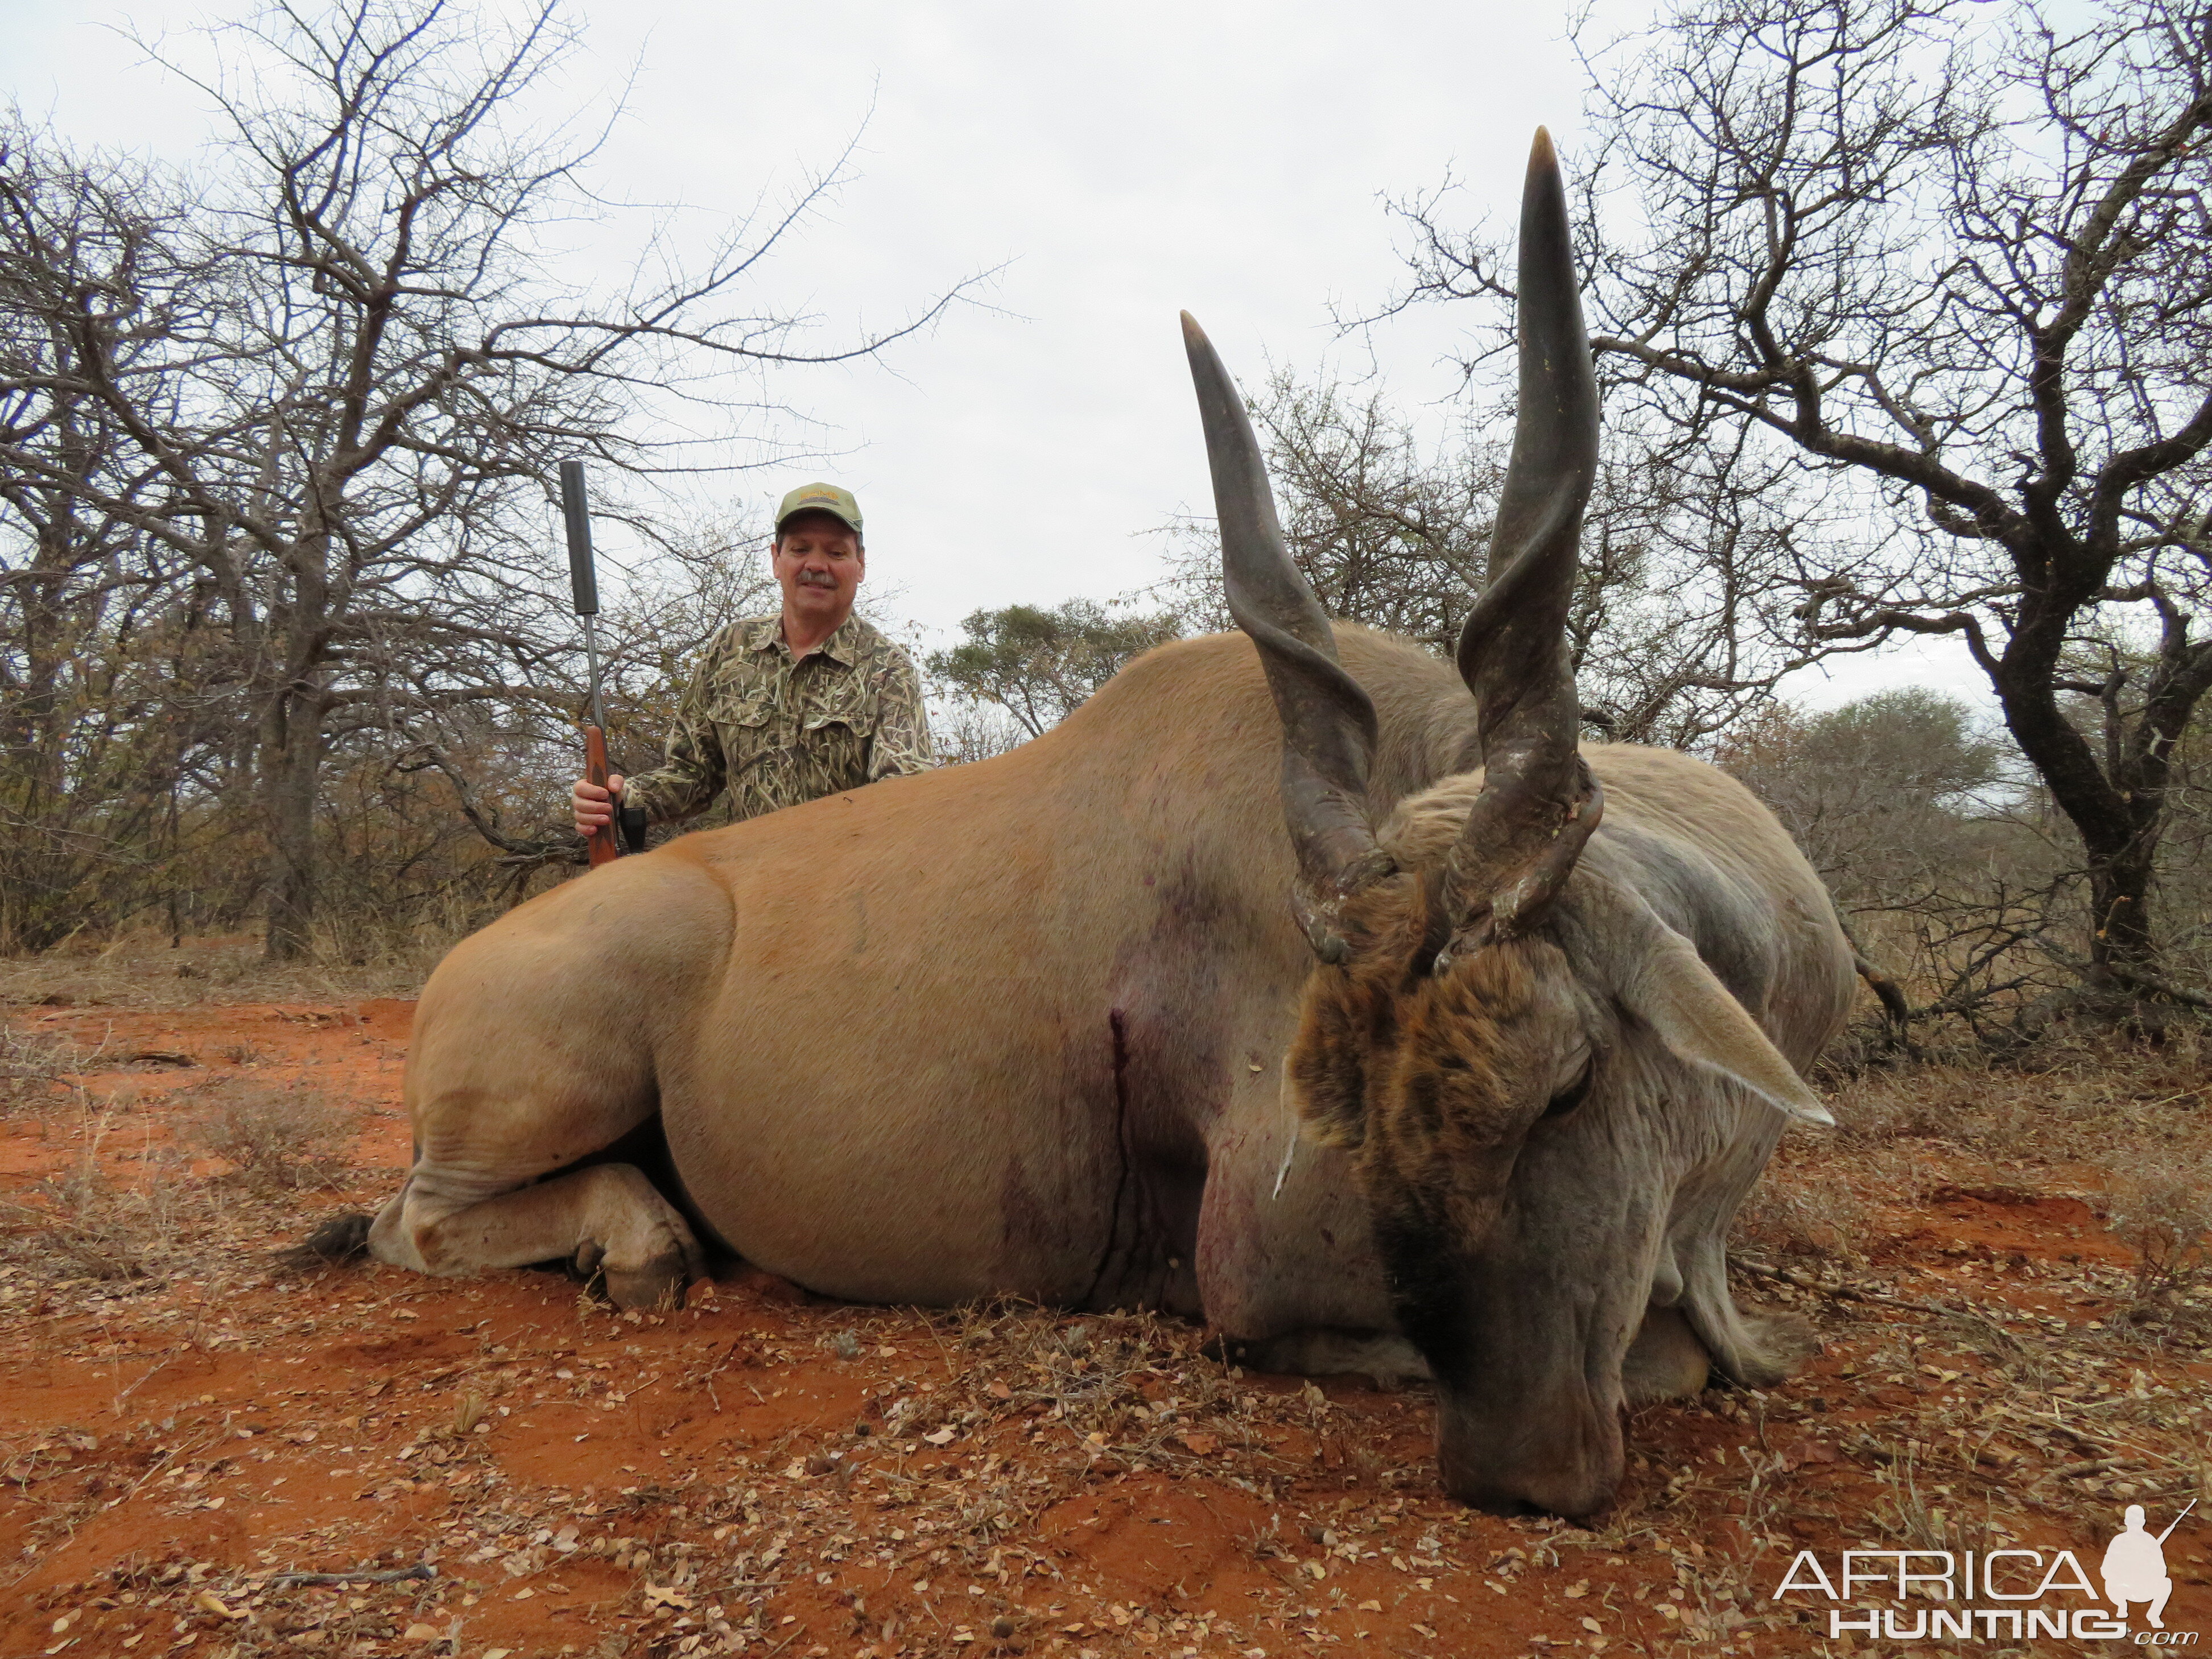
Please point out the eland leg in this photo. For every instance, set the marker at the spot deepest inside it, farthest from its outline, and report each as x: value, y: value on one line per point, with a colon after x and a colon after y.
x: 1387, y: 1359
x: 539, y: 1043
x: 536, y: 1046
x: 498, y: 1128
x: 607, y: 1218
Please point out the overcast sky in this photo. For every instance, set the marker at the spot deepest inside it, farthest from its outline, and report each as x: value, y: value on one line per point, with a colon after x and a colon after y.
x: 1120, y: 162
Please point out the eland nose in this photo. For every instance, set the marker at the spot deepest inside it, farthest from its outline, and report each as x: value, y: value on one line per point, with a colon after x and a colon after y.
x: 1567, y: 1461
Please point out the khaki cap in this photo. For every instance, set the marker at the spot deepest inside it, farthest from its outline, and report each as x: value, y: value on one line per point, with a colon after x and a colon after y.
x: 820, y: 498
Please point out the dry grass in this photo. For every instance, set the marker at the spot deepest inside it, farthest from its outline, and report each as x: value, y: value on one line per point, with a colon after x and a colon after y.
x: 1964, y: 1396
x: 142, y: 971
x: 1816, y: 1211
x: 36, y: 1068
x: 2165, y: 1214
x: 275, y: 1137
x: 2031, y: 1389
x: 127, y: 1204
x: 2078, y: 1095
x: 89, y: 1221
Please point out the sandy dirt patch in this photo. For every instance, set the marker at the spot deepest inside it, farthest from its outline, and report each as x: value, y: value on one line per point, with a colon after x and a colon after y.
x: 766, y: 1473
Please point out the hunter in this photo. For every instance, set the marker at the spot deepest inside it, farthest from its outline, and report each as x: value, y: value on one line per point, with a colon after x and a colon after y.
x: 784, y: 709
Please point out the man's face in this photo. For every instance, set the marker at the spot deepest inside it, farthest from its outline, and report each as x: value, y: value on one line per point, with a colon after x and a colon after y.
x: 819, y: 564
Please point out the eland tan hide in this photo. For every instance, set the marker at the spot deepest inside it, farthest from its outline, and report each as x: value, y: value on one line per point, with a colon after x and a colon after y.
x: 1046, y: 1025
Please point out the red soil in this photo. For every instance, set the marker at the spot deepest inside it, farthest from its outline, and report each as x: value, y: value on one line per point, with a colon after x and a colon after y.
x: 806, y: 1478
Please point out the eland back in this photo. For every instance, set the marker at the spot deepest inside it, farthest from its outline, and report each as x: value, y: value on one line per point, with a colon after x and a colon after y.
x: 1299, y: 981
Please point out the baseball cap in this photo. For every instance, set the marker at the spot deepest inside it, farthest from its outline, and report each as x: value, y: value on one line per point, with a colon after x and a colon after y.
x: 820, y: 498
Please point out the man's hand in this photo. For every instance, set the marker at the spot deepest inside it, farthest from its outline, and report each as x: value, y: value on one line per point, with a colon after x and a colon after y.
x: 594, y: 807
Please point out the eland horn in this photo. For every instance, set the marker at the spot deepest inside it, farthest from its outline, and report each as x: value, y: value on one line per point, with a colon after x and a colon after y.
x: 1328, y: 718
x: 1539, y: 802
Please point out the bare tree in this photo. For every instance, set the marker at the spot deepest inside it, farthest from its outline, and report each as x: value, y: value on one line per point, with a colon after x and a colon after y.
x: 966, y: 729
x: 1669, y: 630
x: 1678, y: 622
x: 1391, y: 530
x: 1956, y: 267
x: 95, y: 630
x: 339, y: 381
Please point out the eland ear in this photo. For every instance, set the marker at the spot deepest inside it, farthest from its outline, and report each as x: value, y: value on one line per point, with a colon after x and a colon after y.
x: 1668, y: 986
x: 1325, y: 1075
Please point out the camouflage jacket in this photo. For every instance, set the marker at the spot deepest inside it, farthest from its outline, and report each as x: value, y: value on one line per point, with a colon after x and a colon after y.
x: 775, y: 733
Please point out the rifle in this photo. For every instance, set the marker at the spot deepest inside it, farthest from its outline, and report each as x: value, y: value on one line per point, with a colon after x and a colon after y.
x: 2178, y: 1520
x: 584, y: 581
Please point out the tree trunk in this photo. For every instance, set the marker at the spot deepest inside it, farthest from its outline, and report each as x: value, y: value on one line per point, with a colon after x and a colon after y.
x: 292, y: 757
x: 291, y: 761
x: 2119, y: 826
x: 2119, y: 838
x: 2119, y: 896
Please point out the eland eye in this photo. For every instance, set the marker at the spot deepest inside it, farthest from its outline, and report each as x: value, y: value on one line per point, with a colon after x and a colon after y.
x: 1573, y: 1095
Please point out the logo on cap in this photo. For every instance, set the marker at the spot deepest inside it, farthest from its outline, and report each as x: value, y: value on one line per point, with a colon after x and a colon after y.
x: 821, y: 498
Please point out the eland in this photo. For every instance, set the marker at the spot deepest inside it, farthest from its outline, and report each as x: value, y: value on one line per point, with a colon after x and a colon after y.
x: 1478, y: 1102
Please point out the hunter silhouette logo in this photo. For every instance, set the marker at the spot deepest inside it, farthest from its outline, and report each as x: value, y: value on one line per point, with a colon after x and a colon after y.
x: 2135, y: 1567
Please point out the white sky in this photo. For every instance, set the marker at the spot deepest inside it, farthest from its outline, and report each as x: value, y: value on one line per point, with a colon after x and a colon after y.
x: 1121, y: 161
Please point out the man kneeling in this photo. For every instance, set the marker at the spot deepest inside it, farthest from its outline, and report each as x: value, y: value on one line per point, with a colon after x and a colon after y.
x: 786, y: 708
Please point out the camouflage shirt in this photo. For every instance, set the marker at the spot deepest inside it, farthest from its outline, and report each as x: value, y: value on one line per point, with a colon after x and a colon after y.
x: 775, y: 733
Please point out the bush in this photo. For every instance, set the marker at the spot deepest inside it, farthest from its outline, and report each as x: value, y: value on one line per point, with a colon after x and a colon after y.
x: 275, y: 1139
x: 35, y: 1067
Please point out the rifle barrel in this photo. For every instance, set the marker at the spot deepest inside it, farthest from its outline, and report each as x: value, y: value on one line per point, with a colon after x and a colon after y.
x: 592, y: 665
x: 583, y: 576
x: 2178, y: 1520
x: 583, y: 580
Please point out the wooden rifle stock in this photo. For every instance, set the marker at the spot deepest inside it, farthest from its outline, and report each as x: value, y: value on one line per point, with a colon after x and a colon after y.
x: 603, y: 847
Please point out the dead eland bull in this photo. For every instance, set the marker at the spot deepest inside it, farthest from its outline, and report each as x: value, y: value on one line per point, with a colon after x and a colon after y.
x: 1030, y: 1026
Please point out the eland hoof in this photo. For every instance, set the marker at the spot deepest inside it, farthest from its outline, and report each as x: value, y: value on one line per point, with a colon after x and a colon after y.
x: 657, y: 1285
